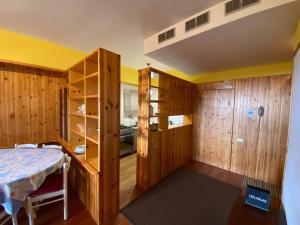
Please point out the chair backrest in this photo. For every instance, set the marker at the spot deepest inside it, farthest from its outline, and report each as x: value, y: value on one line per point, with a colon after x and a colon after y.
x: 68, y: 160
x: 17, y: 146
x: 3, y: 217
x: 66, y: 168
x: 56, y: 147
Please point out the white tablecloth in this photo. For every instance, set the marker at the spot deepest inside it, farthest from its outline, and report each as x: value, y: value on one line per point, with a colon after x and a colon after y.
x: 23, y: 171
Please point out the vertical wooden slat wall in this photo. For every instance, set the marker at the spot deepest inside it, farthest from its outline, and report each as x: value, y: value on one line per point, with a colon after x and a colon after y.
x: 29, y: 104
x: 261, y: 151
x: 176, y: 148
x: 262, y: 155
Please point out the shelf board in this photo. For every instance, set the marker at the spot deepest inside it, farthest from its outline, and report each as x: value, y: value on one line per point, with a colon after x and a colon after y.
x: 82, y: 135
x: 91, y: 96
x: 92, y: 75
x: 156, y: 101
x: 82, y: 97
x: 77, y: 98
x: 154, y: 87
x: 78, y: 81
x: 77, y: 114
x: 159, y: 115
x: 83, y: 115
x: 93, y: 162
x: 92, y: 117
x: 78, y: 133
x: 92, y: 140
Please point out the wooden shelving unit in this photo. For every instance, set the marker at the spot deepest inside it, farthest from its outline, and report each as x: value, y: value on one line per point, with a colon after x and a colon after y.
x: 78, y: 133
x: 161, y: 151
x: 85, y: 88
x: 95, y: 83
x: 81, y: 91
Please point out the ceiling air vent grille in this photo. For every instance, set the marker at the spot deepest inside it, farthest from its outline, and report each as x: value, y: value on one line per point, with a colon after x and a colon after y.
x: 248, y: 2
x: 235, y: 5
x: 197, y: 21
x: 232, y: 6
x: 170, y: 34
x: 166, y: 35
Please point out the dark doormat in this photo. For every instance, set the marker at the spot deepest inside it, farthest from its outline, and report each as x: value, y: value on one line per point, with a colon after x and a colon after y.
x: 184, y: 198
x: 275, y: 190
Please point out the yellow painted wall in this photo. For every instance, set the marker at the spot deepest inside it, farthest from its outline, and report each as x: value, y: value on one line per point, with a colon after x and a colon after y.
x: 180, y: 74
x: 247, y: 72
x: 25, y: 49
x: 129, y: 75
x: 296, y: 37
x: 29, y: 50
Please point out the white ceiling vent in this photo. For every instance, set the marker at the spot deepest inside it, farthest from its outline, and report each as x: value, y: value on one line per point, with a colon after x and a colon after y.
x: 166, y: 35
x: 248, y: 2
x: 235, y: 5
x: 232, y: 6
x: 197, y: 21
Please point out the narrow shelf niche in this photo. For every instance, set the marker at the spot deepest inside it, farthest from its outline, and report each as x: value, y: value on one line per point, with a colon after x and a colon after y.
x: 92, y: 130
x: 92, y: 156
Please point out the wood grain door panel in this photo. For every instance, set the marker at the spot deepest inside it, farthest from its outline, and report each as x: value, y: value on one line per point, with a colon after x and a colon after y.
x: 213, y: 133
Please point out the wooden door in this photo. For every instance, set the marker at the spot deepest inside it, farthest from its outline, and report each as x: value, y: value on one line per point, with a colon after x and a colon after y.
x: 213, y: 127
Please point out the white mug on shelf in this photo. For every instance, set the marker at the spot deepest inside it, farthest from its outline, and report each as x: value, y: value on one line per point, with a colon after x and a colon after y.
x: 81, y: 109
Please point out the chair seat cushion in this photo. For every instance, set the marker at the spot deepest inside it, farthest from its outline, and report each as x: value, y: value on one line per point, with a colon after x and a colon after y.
x: 53, y: 182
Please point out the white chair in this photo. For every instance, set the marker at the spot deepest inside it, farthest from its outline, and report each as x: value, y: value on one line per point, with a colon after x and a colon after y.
x: 4, y: 217
x: 56, y: 147
x: 55, y: 185
x: 18, y: 146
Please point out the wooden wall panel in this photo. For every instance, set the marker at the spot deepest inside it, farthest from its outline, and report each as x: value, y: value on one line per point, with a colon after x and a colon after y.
x: 176, y: 148
x: 176, y: 96
x: 110, y: 137
x: 262, y: 153
x: 155, y: 147
x: 244, y: 155
x: 86, y: 184
x: 213, y: 127
x: 29, y: 104
x: 143, y: 158
x: 93, y: 196
x: 169, y: 149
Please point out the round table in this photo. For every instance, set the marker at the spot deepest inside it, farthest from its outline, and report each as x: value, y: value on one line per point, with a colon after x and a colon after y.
x: 23, y: 171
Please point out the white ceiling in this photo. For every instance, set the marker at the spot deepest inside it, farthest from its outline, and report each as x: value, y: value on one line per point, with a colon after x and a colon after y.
x: 262, y: 38
x: 117, y: 25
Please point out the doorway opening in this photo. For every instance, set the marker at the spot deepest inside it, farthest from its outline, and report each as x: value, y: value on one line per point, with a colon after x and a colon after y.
x: 128, y: 142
